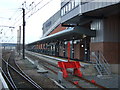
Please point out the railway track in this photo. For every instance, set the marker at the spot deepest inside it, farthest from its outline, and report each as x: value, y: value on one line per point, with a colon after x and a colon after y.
x: 5, y: 71
x: 15, y: 77
x: 82, y: 82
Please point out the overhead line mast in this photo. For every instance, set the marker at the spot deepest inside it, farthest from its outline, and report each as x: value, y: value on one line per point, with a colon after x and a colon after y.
x: 23, y: 33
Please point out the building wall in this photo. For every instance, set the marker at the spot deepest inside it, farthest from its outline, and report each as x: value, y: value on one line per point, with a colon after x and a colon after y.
x: 98, y: 26
x: 48, y: 25
x: 72, y: 8
x: 106, y: 39
x: 96, y: 4
x: 111, y: 40
x: 77, y: 51
x: 98, y: 46
x: 111, y: 28
x: 111, y: 52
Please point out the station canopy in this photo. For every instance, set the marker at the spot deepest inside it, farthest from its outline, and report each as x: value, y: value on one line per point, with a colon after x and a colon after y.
x: 67, y: 34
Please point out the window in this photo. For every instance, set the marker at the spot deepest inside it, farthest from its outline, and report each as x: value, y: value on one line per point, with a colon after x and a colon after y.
x: 66, y: 8
x: 76, y: 3
x: 62, y: 12
x: 69, y: 5
x: 73, y: 5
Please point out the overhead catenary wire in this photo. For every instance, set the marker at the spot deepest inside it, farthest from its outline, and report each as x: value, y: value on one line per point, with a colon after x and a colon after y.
x: 18, y: 18
x: 14, y: 14
x: 40, y: 8
x: 33, y: 13
x: 28, y: 11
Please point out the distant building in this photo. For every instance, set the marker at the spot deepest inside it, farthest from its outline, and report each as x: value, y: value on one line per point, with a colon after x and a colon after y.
x: 8, y: 45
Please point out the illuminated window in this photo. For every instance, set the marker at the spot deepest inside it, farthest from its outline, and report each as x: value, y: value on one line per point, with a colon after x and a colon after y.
x: 73, y: 4
x: 69, y: 5
x: 62, y: 12
x: 76, y: 3
x: 66, y: 8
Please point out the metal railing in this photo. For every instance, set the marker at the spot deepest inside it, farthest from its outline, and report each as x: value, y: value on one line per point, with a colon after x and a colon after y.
x: 105, y: 63
x: 101, y: 63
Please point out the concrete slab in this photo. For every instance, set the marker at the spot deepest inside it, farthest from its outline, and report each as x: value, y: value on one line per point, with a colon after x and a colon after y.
x: 41, y: 70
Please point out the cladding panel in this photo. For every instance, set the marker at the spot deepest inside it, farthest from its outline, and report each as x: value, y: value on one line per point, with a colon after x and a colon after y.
x: 98, y: 26
x: 111, y: 28
x: 50, y: 22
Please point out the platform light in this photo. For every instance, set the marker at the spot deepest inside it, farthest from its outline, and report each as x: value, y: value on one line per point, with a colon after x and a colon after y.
x: 75, y: 42
x: 70, y: 42
x: 82, y: 45
x: 84, y: 36
x: 65, y: 42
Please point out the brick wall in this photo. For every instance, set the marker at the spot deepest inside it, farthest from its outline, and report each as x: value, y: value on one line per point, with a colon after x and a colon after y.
x: 109, y: 49
x: 57, y: 29
x: 61, y: 51
x: 111, y: 52
x: 77, y: 51
x: 96, y: 46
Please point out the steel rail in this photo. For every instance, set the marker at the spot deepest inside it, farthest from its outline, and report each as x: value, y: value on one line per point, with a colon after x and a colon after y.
x: 23, y: 76
x: 78, y: 86
x: 65, y: 79
x: 76, y: 76
x: 28, y: 76
x: 81, y: 78
x: 15, y: 87
x: 10, y: 78
x: 7, y: 78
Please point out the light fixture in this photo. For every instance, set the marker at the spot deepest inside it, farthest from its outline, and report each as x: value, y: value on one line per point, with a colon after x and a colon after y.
x: 84, y: 36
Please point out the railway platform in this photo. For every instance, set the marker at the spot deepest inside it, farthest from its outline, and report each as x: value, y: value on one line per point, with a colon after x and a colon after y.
x: 87, y: 73
x: 88, y: 69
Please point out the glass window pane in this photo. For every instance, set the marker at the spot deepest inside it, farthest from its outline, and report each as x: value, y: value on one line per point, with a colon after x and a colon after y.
x: 62, y: 12
x: 69, y: 6
x: 66, y: 8
x: 76, y: 3
x: 72, y: 4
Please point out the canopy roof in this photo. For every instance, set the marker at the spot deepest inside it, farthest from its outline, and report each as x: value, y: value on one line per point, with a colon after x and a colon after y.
x: 67, y: 34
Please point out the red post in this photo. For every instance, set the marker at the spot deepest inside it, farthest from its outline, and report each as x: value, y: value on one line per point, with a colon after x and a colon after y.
x: 70, y: 64
x: 68, y: 51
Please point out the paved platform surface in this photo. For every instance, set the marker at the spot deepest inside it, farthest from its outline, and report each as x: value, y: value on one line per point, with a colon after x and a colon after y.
x: 110, y: 82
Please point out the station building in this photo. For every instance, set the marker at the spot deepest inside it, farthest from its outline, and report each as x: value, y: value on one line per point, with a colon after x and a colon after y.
x: 91, y: 26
